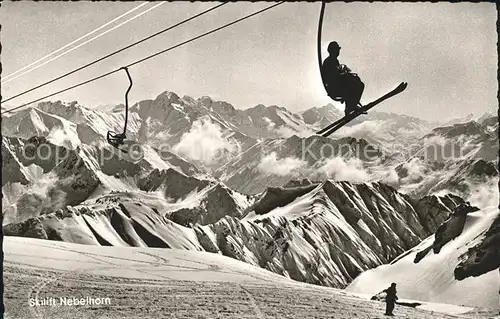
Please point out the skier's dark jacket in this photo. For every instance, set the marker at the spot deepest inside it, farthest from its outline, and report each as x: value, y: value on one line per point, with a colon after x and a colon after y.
x: 391, y: 294
x: 333, y: 72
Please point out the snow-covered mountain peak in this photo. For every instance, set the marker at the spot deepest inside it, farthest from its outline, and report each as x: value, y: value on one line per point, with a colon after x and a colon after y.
x: 168, y: 97
x: 70, y: 111
x: 32, y: 121
x: 471, y: 128
x: 321, y: 116
x: 219, y: 107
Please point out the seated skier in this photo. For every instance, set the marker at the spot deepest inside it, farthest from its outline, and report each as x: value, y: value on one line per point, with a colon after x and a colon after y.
x: 341, y: 84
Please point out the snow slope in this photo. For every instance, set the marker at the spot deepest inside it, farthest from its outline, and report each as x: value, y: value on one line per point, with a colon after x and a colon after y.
x: 432, y: 278
x: 159, y: 283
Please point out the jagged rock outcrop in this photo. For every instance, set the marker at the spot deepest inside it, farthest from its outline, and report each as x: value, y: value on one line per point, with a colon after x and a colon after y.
x: 430, y: 210
x: 483, y: 257
x: 35, y: 151
x: 451, y: 228
x: 467, y: 248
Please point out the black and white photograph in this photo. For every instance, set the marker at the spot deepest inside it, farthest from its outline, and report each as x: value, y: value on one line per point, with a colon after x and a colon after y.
x: 250, y: 160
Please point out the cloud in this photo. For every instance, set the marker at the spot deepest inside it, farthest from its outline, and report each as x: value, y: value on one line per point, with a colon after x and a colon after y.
x: 409, y: 131
x: 270, y: 124
x: 484, y: 195
x: 44, y: 195
x: 363, y: 130
x: 288, y: 132
x: 346, y: 170
x: 158, y: 140
x: 391, y: 177
x: 205, y: 142
x: 415, y: 171
x: 66, y: 137
x: 337, y: 168
x: 270, y: 164
x: 479, y: 195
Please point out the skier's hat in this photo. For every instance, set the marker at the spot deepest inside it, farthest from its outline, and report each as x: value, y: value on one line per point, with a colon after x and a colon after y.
x: 333, y: 46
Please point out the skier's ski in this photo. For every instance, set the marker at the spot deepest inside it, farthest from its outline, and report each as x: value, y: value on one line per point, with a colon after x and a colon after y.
x: 323, y: 130
x: 346, y: 119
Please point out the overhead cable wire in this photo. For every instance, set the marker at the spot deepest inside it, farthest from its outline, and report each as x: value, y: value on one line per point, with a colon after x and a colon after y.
x: 79, y: 45
x: 205, y: 34
x: 148, y: 57
x: 115, y: 52
x: 73, y: 42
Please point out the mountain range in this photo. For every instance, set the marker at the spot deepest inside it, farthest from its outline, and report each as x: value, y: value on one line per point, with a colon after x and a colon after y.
x: 256, y: 185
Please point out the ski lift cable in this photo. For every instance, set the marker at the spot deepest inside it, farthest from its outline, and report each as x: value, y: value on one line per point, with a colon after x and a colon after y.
x: 148, y: 57
x: 207, y: 33
x: 85, y: 42
x: 117, y: 51
x: 73, y: 42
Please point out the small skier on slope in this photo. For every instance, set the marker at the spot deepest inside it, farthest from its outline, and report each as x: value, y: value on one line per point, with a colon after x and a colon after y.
x: 341, y: 84
x: 390, y: 299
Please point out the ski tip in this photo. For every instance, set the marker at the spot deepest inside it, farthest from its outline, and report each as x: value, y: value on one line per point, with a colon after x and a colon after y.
x: 402, y: 86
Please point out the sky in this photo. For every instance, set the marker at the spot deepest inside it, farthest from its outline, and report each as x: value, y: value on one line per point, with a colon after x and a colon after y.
x: 446, y: 52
